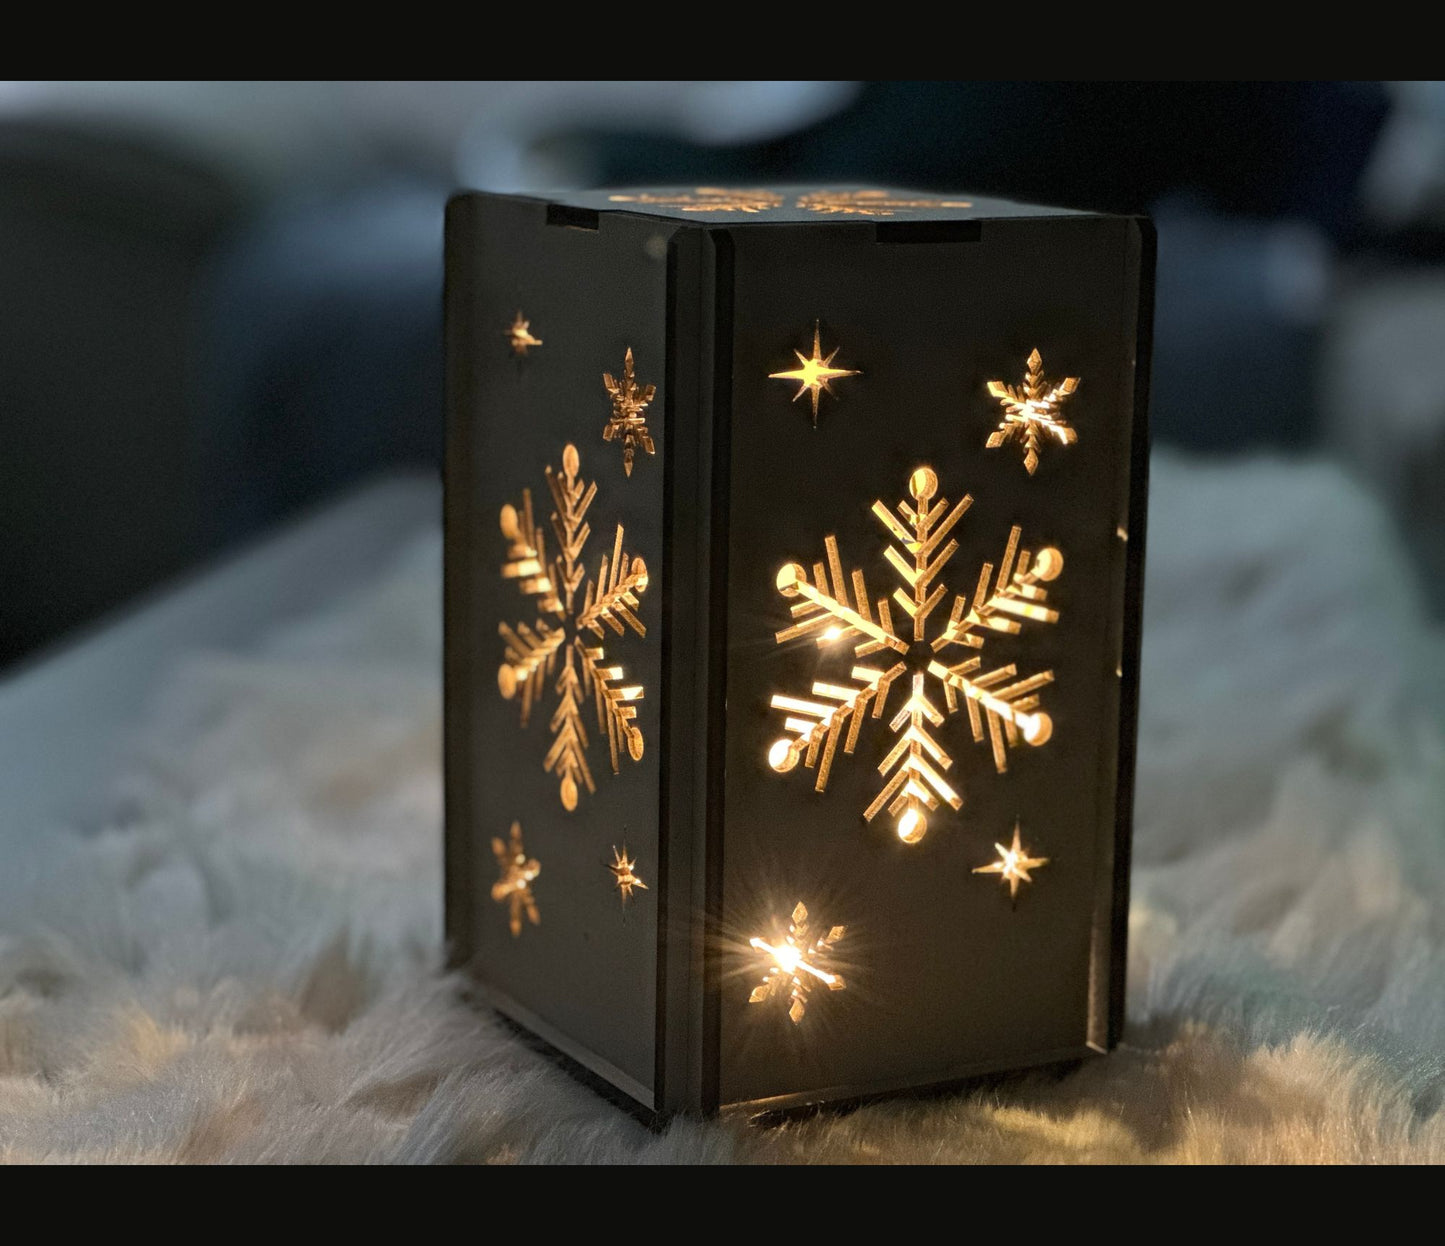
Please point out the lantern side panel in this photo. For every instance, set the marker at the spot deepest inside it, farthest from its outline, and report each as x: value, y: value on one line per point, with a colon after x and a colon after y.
x: 555, y: 591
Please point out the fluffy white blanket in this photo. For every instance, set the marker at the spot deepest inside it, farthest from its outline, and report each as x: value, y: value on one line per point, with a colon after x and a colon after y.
x: 242, y: 966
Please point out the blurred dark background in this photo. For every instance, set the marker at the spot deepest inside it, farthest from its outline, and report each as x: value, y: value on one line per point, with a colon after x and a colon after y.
x: 221, y: 301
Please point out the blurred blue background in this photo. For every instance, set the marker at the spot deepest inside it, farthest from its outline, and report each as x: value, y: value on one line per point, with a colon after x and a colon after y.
x: 221, y: 301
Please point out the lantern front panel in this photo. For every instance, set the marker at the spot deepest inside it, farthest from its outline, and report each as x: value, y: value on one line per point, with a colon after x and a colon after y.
x: 945, y: 971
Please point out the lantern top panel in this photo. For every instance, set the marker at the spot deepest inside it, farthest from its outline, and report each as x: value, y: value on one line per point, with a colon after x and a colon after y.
x: 796, y: 205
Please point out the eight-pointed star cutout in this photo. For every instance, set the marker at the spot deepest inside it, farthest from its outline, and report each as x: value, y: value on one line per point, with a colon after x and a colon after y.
x: 815, y: 373
x: 1013, y: 865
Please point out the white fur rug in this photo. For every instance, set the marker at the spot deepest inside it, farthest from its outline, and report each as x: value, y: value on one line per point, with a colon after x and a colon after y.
x: 242, y: 967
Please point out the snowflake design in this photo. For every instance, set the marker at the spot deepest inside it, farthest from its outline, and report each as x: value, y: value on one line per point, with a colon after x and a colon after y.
x: 627, y: 423
x: 516, y: 872
x: 573, y: 614
x: 998, y: 701
x: 798, y: 964
x: 833, y: 202
x: 1032, y: 410
x: 709, y: 199
x: 519, y: 334
x: 870, y: 203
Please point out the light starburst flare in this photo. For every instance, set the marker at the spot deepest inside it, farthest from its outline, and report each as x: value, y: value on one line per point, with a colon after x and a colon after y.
x: 836, y: 613
x: 516, y: 874
x: 814, y: 374
x: 1031, y: 411
x: 798, y: 964
x: 624, y: 872
x: 520, y: 336
x: 1013, y: 865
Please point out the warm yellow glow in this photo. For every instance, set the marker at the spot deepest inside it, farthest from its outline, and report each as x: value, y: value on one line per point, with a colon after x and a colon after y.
x: 586, y: 610
x: 831, y: 202
x: 912, y: 826
x: 870, y: 203
x: 782, y: 757
x: 1032, y: 411
x: 516, y: 873
x: 1037, y: 728
x: 813, y: 375
x: 788, y: 579
x: 626, y: 423
x: 519, y: 334
x: 787, y: 956
x: 1047, y: 564
x: 830, y: 607
x: 1013, y: 865
x: 624, y: 871
x: 797, y: 962
x: 527, y: 555
x: 709, y: 199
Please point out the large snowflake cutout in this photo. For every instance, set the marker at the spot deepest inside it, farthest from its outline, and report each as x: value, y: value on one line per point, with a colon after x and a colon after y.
x: 574, y: 613
x: 1001, y: 704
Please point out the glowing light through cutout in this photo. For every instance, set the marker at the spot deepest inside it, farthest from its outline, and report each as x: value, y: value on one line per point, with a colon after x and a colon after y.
x: 1013, y: 865
x: 629, y: 401
x: 516, y: 874
x: 624, y: 873
x: 709, y: 199
x: 574, y: 613
x: 814, y: 374
x: 1032, y: 411
x: 835, y: 611
x: 798, y: 964
x: 833, y: 201
x: 520, y: 336
x: 871, y: 203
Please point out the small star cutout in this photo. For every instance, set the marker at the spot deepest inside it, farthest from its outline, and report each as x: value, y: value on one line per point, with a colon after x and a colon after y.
x: 520, y: 336
x: 815, y: 373
x: 623, y: 868
x: 1014, y: 865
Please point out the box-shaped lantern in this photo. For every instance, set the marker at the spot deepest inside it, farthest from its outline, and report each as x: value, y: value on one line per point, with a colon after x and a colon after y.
x: 793, y: 556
